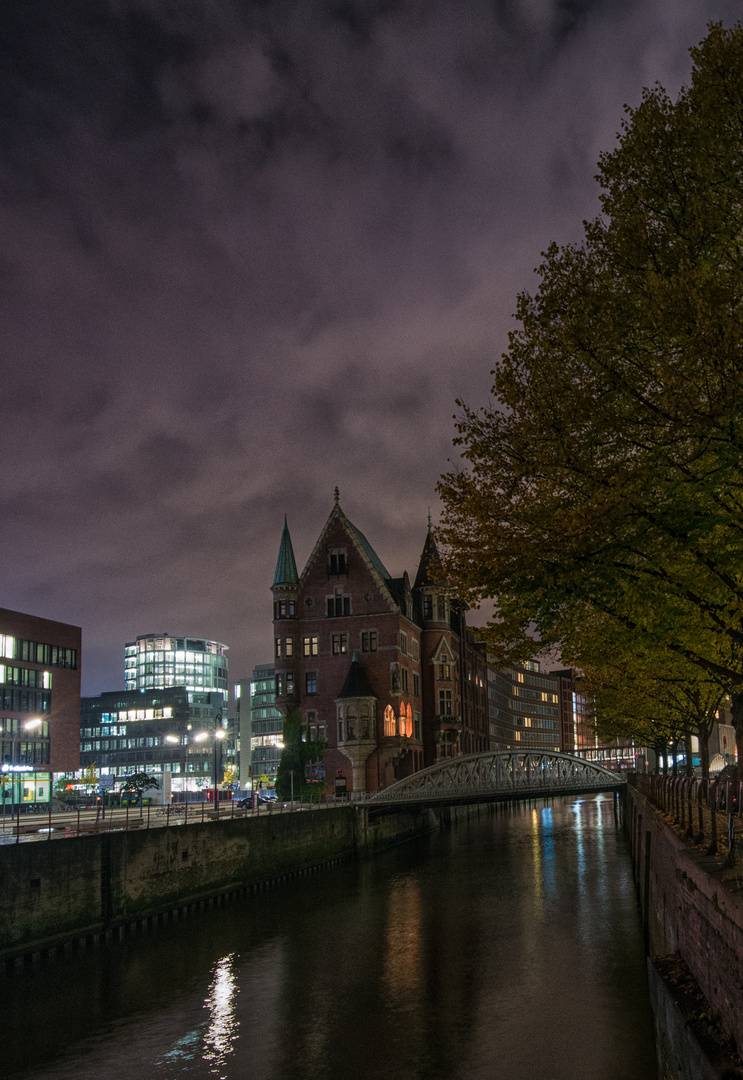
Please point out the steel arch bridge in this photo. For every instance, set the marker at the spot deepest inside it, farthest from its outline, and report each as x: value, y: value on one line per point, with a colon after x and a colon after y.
x: 503, y: 774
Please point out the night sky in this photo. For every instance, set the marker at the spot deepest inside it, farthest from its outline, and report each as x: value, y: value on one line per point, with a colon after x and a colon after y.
x: 252, y: 250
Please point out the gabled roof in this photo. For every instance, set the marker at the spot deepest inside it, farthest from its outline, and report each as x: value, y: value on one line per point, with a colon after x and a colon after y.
x: 430, y: 570
x: 368, y: 555
x: 370, y: 552
x: 286, y: 567
x: 442, y: 647
x: 356, y: 685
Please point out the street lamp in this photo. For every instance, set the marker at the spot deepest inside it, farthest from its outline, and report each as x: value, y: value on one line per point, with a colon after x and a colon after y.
x: 219, y: 734
x: 16, y: 767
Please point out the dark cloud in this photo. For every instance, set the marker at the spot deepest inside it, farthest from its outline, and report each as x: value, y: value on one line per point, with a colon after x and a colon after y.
x: 252, y: 250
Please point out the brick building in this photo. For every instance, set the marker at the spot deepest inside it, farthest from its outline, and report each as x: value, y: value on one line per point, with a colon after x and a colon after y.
x: 39, y: 704
x: 385, y: 673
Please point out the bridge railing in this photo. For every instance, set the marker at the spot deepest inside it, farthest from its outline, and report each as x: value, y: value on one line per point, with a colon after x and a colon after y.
x: 705, y: 810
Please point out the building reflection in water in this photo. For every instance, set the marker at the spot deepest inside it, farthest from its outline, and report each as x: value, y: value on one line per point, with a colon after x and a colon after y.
x: 403, y: 944
x: 220, y: 1036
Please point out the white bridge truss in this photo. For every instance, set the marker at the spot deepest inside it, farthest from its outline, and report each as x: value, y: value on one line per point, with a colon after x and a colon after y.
x: 501, y: 774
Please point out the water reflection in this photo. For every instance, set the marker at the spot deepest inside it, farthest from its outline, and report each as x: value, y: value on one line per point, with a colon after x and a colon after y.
x: 222, y: 1030
x: 403, y: 952
x: 489, y: 950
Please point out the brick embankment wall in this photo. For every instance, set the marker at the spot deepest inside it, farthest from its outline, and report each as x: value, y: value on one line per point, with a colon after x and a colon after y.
x: 688, y: 909
x: 56, y: 891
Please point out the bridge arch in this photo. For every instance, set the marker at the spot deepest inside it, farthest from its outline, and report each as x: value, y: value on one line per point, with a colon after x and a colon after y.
x: 501, y: 773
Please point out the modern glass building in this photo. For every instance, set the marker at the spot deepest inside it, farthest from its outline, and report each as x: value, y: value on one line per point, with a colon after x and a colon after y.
x: 157, y: 661
x: 171, y: 730
x: 260, y: 725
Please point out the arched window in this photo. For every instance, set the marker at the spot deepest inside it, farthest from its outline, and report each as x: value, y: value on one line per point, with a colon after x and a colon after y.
x: 409, y: 723
x: 389, y: 720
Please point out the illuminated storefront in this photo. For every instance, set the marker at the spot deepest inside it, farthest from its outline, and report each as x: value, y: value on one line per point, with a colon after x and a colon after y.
x: 24, y: 787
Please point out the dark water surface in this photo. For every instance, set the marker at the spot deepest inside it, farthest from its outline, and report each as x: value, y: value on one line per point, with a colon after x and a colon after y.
x: 509, y: 947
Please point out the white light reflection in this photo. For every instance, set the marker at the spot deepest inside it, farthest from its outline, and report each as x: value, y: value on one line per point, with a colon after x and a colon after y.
x: 221, y: 1034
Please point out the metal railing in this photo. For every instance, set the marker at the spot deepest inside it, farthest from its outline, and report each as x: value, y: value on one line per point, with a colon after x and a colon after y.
x: 703, y: 809
x: 67, y: 824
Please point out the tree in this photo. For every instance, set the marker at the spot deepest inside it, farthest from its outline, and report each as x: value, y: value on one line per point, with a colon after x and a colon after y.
x: 138, y: 783
x: 607, y: 474
x: 298, y: 752
x: 644, y: 692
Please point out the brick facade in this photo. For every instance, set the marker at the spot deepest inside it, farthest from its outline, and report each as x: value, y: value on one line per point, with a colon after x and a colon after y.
x: 63, y: 714
x: 420, y: 690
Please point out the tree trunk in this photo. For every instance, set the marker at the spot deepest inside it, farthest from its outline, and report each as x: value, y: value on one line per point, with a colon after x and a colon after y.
x: 687, y: 746
x: 704, y: 749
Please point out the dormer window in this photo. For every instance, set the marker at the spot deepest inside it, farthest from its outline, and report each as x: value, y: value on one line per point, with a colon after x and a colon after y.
x: 337, y: 561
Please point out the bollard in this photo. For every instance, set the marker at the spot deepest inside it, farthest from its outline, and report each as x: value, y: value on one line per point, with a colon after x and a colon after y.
x: 711, y: 803
x: 699, y: 838
x: 730, y: 860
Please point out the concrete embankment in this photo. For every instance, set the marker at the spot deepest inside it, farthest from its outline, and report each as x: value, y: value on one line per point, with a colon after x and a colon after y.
x: 693, y: 923
x: 90, y: 887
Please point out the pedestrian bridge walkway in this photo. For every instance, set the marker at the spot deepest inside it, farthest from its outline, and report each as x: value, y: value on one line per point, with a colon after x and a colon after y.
x: 505, y: 774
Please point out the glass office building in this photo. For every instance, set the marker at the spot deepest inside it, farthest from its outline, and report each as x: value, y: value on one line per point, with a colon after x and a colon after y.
x: 157, y: 661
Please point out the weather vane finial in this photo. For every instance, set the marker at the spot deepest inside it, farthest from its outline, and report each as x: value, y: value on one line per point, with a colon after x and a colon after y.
x: 337, y: 495
x: 429, y: 519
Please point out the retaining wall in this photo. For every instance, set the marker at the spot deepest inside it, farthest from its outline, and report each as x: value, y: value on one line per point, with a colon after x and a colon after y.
x: 687, y: 909
x: 61, y: 889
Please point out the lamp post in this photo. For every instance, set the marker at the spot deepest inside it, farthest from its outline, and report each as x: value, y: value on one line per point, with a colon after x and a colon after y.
x: 15, y: 767
x: 219, y: 734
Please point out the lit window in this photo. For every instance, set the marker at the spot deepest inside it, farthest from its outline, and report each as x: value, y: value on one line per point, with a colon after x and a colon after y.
x: 277, y: 647
x: 389, y: 720
x: 310, y: 645
x: 340, y: 644
x: 289, y: 647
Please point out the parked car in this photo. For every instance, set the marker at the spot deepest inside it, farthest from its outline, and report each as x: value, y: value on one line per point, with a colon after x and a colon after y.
x: 247, y: 803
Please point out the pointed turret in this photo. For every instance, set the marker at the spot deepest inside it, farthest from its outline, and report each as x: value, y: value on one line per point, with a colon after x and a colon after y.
x: 356, y: 708
x: 356, y: 684
x: 286, y: 568
x: 430, y: 569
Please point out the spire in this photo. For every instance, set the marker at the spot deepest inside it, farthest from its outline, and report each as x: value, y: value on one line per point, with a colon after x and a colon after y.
x: 286, y: 567
x: 356, y: 684
x: 337, y: 495
x: 430, y: 570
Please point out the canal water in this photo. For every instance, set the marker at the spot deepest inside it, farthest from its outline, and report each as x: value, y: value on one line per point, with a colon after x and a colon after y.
x: 509, y: 947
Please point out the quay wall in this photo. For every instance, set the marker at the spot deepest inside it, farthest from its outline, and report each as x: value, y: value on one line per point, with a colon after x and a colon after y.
x: 51, y: 892
x: 687, y: 909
